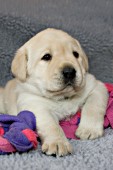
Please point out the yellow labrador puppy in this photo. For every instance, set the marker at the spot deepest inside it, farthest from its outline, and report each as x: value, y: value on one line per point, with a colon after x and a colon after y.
x: 52, y: 81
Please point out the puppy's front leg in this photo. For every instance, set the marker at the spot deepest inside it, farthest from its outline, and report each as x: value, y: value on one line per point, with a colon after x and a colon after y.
x: 52, y: 136
x: 93, y: 111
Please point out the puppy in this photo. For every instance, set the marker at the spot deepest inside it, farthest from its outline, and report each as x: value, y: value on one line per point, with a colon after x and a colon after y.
x: 52, y: 81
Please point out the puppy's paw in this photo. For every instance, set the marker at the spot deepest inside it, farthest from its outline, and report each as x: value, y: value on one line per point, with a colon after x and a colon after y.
x: 58, y: 147
x: 89, y: 133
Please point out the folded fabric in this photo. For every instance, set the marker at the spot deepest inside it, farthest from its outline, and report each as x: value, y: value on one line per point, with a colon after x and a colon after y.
x: 108, y: 120
x: 18, y: 133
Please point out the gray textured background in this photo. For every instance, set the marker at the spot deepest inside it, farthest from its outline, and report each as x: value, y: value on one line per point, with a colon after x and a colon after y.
x: 91, y: 22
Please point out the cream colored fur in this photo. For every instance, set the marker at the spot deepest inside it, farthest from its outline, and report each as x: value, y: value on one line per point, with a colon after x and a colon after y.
x: 38, y: 87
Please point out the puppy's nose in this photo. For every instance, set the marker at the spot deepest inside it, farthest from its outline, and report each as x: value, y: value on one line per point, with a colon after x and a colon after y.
x: 69, y: 73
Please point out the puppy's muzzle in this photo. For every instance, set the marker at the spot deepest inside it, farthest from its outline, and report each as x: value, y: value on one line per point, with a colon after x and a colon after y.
x: 69, y: 74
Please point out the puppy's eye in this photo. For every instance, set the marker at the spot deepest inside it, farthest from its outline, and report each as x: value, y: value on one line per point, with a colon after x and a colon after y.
x: 75, y: 54
x: 47, y: 57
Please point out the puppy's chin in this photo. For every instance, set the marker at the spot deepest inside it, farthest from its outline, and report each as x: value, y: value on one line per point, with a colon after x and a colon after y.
x: 66, y: 92
x: 64, y: 89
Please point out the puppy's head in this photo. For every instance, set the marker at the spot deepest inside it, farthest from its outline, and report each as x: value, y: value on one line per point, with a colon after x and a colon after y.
x: 53, y: 62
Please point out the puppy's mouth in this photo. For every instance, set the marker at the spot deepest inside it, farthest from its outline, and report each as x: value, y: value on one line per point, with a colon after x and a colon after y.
x: 68, y: 87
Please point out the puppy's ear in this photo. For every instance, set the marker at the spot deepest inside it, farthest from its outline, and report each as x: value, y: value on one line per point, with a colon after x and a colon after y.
x: 19, y: 65
x: 84, y: 57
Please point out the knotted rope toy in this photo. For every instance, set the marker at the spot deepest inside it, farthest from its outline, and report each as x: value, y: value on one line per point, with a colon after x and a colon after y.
x: 18, y: 133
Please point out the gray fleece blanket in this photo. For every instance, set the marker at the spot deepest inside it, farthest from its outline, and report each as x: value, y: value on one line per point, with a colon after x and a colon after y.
x: 91, y: 22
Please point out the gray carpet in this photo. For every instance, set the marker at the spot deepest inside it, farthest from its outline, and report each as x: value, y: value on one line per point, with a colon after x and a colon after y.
x: 91, y: 22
